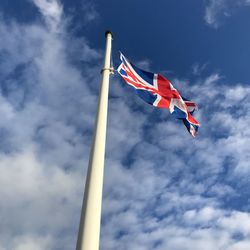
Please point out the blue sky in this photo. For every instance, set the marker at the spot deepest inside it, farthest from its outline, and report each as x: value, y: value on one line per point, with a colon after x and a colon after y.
x: 162, y: 188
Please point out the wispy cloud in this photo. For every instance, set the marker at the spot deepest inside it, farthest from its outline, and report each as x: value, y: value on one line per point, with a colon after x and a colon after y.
x: 172, y: 191
x: 218, y: 10
x: 45, y: 130
x: 52, y: 12
x: 199, y: 68
x: 89, y: 8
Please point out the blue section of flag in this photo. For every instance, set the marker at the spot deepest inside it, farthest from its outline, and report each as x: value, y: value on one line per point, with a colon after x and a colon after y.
x: 146, y: 76
x: 123, y: 72
x: 178, y: 113
x: 146, y: 96
x: 188, y: 125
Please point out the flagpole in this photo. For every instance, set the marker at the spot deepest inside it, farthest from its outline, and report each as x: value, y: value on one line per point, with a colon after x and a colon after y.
x: 90, y: 222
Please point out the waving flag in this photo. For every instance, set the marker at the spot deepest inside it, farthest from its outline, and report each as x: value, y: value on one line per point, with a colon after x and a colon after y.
x: 158, y: 91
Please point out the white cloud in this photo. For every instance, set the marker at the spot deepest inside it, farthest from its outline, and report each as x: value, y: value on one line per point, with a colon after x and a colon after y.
x: 90, y: 11
x: 47, y: 117
x: 198, y: 68
x: 52, y: 12
x: 203, y: 216
x: 214, y: 10
x: 31, y: 242
x: 243, y: 245
x: 218, y: 10
x: 176, y: 188
x: 236, y: 222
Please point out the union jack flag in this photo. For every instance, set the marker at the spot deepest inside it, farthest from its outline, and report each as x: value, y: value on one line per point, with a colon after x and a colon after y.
x: 158, y: 91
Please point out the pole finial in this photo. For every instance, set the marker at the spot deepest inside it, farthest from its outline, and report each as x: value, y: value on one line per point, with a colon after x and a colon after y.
x: 108, y: 32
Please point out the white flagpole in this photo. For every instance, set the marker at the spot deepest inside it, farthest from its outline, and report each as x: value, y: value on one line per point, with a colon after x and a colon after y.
x: 90, y: 222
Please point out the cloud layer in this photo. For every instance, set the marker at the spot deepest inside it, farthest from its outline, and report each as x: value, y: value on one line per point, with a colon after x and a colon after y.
x: 47, y: 117
x: 177, y: 192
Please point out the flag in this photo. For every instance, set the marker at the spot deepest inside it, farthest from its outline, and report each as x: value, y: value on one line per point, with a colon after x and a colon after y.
x: 158, y: 91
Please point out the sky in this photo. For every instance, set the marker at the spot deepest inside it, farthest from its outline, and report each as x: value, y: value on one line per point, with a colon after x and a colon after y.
x: 163, y: 189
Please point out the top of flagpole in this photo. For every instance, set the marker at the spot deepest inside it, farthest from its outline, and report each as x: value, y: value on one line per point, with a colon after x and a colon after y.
x: 108, y: 32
